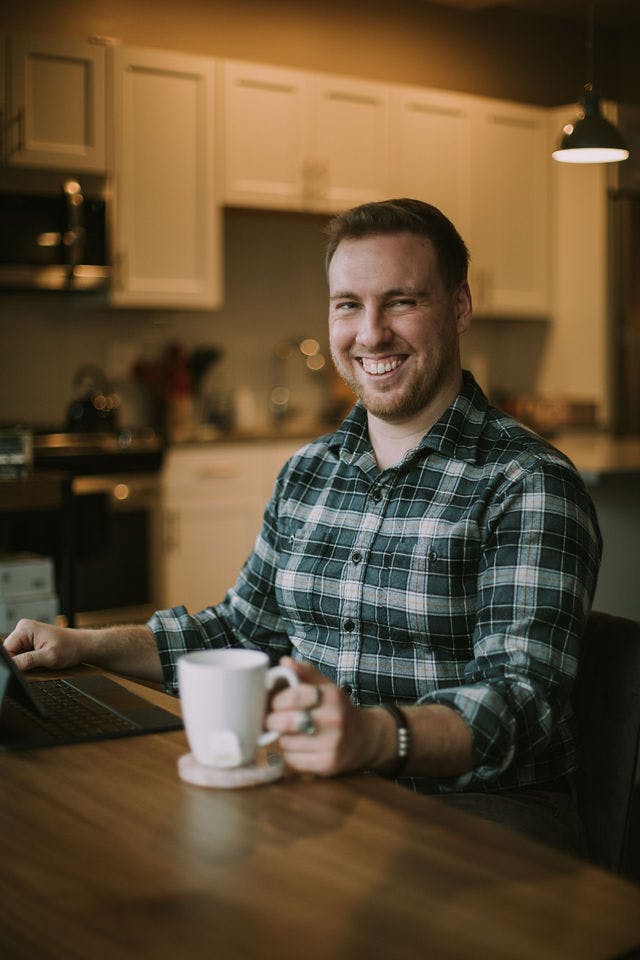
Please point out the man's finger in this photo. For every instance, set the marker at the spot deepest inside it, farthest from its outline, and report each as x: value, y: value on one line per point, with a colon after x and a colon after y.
x: 28, y: 659
x: 305, y: 671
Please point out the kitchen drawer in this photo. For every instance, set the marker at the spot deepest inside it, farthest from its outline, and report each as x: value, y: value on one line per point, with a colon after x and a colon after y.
x: 229, y: 471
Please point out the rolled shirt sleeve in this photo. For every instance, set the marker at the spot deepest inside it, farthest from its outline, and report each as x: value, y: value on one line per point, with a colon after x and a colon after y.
x: 538, y: 572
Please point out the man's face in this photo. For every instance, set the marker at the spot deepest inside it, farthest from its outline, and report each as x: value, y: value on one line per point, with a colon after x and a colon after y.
x: 393, y: 326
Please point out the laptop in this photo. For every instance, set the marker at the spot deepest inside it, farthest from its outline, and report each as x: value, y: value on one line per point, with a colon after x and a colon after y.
x: 49, y: 713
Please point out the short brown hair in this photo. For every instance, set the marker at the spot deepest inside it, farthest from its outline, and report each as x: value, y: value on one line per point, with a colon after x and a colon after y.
x: 404, y: 216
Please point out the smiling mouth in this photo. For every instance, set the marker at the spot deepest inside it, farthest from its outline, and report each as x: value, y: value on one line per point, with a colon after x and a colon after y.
x: 377, y: 368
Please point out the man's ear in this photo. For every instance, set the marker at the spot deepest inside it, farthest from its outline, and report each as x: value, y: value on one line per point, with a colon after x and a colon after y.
x: 463, y: 307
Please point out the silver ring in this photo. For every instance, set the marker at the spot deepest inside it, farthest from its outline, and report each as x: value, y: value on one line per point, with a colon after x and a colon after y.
x: 306, y: 724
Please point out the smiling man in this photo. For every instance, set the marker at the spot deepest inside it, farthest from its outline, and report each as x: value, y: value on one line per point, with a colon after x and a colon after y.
x: 394, y: 327
x: 427, y: 569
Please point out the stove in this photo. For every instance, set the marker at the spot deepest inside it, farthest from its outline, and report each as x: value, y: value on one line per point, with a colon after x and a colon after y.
x: 116, y: 520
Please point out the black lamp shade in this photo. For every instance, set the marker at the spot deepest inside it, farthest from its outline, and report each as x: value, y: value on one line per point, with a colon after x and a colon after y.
x: 591, y: 138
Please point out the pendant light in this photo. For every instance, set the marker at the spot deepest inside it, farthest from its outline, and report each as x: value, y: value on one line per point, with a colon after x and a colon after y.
x: 591, y: 138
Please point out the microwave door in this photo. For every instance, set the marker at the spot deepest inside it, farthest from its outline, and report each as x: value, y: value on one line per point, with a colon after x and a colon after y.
x: 53, y: 241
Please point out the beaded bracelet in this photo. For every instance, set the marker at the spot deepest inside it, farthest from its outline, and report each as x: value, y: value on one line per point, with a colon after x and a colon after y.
x: 404, y: 738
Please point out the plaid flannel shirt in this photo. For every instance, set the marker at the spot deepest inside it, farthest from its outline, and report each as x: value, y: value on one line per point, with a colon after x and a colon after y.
x: 461, y: 576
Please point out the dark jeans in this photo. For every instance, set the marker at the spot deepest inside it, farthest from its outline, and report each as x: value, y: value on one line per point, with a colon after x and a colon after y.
x: 549, y: 815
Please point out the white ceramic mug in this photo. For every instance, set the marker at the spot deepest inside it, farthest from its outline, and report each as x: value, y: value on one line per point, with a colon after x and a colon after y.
x: 223, y: 694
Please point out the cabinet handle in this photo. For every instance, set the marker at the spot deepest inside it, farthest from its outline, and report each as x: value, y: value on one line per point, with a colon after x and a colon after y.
x: 432, y: 108
x: 488, y: 291
x: 218, y: 471
x: 483, y: 282
x: 171, y: 532
x: 7, y: 146
x: 360, y: 98
x: 121, y: 269
x: 315, y: 179
x: 271, y: 86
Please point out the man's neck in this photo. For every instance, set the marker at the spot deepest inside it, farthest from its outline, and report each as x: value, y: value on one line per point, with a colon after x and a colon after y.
x: 392, y: 440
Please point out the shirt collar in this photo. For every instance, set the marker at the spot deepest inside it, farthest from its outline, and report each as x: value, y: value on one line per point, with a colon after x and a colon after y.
x: 455, y: 435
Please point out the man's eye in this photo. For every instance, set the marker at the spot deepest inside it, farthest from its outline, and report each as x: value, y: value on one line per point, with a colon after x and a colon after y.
x: 346, y: 305
x: 402, y: 302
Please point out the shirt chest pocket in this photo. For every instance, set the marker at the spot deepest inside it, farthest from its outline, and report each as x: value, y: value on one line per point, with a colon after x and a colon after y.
x: 438, y: 565
x: 310, y: 562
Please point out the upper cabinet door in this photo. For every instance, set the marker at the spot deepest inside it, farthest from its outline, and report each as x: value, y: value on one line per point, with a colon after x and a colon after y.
x: 264, y: 109
x: 299, y: 141
x: 167, y: 243
x: 55, y: 112
x: 510, y: 218
x: 347, y: 138
x: 431, y: 151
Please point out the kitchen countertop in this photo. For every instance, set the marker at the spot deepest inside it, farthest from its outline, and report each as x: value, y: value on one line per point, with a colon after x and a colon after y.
x: 204, y: 435
x: 596, y: 453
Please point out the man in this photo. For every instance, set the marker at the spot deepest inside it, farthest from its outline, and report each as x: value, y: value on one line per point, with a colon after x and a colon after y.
x: 427, y: 569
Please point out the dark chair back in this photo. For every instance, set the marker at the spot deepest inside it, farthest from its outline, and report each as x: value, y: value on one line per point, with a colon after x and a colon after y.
x: 607, y: 706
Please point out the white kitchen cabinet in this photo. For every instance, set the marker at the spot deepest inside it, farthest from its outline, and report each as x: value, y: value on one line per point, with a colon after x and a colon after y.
x: 509, y: 236
x: 166, y: 217
x: 577, y: 358
x: 54, y: 113
x: 303, y: 141
x: 350, y: 142
x: 431, y: 157
x: 626, y: 174
x: 213, y: 501
x: 264, y: 119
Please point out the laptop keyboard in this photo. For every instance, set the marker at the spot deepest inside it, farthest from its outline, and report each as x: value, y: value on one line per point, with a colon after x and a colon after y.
x: 71, y: 712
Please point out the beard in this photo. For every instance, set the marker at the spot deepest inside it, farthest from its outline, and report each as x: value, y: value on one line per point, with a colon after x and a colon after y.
x: 396, y: 403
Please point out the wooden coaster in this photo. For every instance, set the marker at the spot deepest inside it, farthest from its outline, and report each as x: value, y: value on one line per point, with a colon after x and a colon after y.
x: 230, y: 778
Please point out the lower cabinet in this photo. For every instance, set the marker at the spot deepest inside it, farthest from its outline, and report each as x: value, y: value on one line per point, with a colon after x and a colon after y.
x: 213, y: 501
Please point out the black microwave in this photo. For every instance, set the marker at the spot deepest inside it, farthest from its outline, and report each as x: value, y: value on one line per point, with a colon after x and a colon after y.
x: 55, y: 241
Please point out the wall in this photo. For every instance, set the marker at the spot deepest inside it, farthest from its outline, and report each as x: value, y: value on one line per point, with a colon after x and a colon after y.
x: 496, y: 52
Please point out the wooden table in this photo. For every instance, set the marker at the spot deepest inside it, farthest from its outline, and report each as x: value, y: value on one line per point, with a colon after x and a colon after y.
x: 106, y: 854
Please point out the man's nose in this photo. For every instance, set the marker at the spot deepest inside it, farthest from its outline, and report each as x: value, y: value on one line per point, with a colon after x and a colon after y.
x: 373, y: 329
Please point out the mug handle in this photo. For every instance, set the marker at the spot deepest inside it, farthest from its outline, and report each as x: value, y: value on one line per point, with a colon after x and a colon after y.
x: 273, y: 675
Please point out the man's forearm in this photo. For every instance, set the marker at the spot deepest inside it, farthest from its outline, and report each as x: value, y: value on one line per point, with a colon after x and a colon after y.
x: 130, y: 650
x: 441, y: 741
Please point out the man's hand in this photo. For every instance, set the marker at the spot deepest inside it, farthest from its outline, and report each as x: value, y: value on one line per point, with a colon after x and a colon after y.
x: 40, y: 645
x: 130, y: 650
x: 344, y: 738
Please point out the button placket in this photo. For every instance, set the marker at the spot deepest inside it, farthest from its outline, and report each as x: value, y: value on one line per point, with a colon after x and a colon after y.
x: 355, y: 573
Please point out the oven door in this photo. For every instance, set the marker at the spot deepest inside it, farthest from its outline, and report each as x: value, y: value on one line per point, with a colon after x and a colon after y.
x: 116, y: 529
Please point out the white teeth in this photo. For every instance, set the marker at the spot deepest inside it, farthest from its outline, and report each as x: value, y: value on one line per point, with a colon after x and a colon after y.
x: 380, y: 366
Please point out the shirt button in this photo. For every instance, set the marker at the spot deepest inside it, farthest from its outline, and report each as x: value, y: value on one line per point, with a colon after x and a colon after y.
x: 376, y: 496
x: 356, y: 557
x: 346, y: 688
x: 349, y: 625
